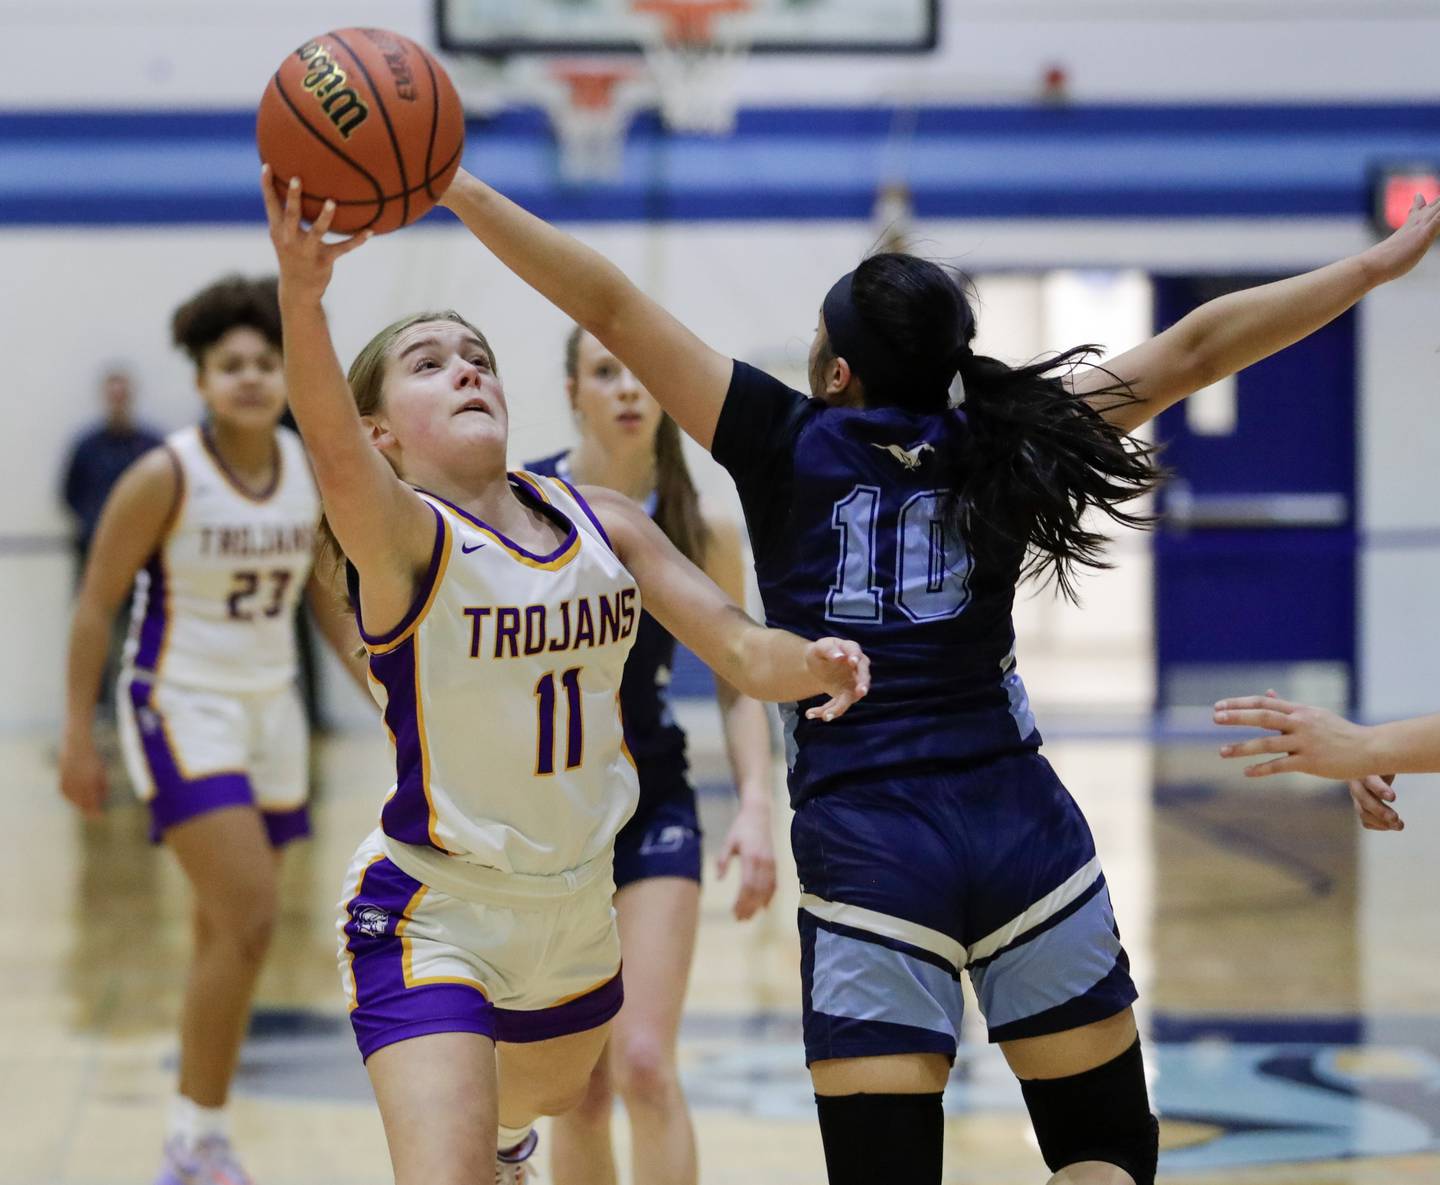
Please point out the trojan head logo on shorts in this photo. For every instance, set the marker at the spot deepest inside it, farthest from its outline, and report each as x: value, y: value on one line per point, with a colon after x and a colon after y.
x: 371, y: 920
x: 911, y: 458
x: 327, y: 82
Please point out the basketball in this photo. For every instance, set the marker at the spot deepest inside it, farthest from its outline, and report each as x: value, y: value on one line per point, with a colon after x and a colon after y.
x: 367, y: 119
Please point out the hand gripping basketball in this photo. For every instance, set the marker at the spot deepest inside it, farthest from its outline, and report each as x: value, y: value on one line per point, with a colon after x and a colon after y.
x: 306, y: 259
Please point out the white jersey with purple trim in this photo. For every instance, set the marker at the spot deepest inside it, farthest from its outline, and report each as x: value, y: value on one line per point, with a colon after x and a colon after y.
x: 215, y: 604
x: 500, y: 690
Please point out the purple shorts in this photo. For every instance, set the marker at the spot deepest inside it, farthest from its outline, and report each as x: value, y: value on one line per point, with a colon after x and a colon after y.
x: 415, y: 960
x: 190, y: 751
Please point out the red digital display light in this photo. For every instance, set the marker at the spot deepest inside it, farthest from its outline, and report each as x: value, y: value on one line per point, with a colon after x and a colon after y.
x: 1395, y: 190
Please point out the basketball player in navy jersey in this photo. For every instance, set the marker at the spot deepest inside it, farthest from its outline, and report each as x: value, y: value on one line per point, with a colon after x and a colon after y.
x: 629, y: 445
x: 930, y: 835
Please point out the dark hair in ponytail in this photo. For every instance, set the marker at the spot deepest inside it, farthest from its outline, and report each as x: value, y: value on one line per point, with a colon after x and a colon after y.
x: 677, y: 504
x: 1038, y: 456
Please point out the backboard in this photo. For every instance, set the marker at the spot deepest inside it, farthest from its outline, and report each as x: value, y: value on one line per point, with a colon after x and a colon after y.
x: 500, y: 28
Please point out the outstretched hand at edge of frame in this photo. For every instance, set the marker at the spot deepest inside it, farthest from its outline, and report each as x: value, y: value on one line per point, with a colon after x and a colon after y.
x: 1312, y: 741
x: 1392, y: 257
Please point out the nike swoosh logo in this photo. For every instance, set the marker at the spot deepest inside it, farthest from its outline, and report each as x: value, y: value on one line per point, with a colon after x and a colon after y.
x: 467, y: 548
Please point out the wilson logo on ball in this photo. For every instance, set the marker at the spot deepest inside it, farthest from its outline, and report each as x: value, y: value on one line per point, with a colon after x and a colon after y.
x: 327, y: 82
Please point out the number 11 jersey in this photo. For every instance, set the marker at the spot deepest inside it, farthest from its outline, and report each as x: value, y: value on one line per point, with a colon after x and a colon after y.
x: 214, y: 606
x: 501, y: 694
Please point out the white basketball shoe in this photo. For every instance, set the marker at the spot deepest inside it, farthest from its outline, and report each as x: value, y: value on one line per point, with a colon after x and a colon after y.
x: 211, y: 1162
x: 516, y: 1166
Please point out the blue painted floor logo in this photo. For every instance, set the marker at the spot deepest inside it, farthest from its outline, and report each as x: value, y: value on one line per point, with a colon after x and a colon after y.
x: 1231, y: 1093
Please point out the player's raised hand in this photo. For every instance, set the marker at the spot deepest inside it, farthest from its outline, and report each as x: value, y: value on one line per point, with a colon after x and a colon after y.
x: 306, y: 259
x: 1302, y: 739
x: 1396, y: 255
x: 1371, y: 797
x: 843, y: 670
x: 82, y: 776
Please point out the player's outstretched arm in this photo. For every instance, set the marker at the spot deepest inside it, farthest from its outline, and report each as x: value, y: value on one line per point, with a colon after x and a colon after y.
x: 1232, y: 332
x: 750, y: 840
x: 383, y: 526
x: 687, y: 377
x: 764, y: 663
x: 131, y: 528
x: 1310, y: 740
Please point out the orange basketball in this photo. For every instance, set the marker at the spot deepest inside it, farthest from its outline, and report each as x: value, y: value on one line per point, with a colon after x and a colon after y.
x: 365, y: 118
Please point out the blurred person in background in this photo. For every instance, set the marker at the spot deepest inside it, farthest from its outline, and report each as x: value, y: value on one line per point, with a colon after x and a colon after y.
x: 101, y: 454
x: 97, y: 459
x: 219, y: 523
x: 628, y: 444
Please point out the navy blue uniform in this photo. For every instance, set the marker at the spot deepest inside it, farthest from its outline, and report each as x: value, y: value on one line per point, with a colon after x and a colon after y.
x: 662, y: 838
x: 930, y: 835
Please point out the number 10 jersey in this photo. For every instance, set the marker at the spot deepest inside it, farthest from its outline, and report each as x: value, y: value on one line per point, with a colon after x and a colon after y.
x: 214, y: 606
x: 847, y: 510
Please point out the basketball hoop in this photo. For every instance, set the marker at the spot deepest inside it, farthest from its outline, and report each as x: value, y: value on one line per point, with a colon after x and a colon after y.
x: 693, y: 49
x: 589, y: 110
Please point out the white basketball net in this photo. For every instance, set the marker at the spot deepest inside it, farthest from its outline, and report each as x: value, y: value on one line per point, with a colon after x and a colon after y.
x: 694, y: 49
x: 590, y: 106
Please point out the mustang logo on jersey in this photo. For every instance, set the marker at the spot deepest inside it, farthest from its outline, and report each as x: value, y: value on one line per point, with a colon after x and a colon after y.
x: 510, y: 631
x: 911, y: 458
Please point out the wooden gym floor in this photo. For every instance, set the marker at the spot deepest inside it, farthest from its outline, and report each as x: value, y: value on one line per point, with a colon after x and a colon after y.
x: 1288, y: 961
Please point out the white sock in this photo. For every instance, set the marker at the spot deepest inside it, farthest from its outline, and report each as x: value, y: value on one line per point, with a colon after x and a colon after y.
x: 510, y: 1138
x: 190, y: 1122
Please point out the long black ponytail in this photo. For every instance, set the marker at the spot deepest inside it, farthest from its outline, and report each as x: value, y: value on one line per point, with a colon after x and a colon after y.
x: 1037, y: 456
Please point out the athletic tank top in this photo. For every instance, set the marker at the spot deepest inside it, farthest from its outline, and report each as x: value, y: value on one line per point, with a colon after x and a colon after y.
x: 214, y: 606
x: 655, y: 739
x: 500, y: 690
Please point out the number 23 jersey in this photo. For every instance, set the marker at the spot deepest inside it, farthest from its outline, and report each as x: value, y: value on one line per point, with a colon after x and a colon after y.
x: 846, y: 513
x: 214, y: 606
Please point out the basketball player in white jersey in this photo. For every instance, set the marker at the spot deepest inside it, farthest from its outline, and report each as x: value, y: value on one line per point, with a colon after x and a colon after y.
x: 216, y: 531
x: 478, y: 940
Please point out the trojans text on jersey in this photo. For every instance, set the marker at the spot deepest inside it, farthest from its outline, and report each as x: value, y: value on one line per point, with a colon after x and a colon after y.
x: 509, y: 631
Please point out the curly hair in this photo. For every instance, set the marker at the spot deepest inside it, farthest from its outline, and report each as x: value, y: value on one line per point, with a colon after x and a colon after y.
x: 229, y: 302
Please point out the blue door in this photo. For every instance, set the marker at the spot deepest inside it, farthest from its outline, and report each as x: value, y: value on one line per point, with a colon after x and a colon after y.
x: 1255, y: 557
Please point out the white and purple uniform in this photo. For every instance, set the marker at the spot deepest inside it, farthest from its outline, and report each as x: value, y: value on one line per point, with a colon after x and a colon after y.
x: 482, y: 903
x: 209, y: 714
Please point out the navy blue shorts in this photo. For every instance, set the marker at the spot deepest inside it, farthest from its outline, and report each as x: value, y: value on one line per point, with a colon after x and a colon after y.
x: 990, y: 869
x: 662, y: 838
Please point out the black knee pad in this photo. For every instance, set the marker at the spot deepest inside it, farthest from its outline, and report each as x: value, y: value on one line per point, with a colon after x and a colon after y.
x: 1102, y: 1114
